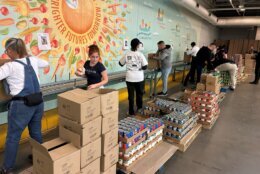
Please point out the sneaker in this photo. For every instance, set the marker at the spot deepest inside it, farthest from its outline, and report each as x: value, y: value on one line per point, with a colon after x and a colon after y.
x: 254, y: 83
x: 4, y: 171
x: 231, y: 88
x: 162, y: 94
x: 130, y: 115
x: 30, y: 158
x: 139, y: 111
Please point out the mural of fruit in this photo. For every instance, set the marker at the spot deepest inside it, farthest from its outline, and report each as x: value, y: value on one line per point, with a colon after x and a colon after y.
x: 54, y: 43
x: 45, y: 21
x: 78, y: 14
x: 6, y: 22
x: 4, y: 11
x: 21, y: 6
x: 61, y: 63
x: 21, y: 24
x: 42, y: 9
x: 34, y: 20
x: 4, y: 56
x: 28, y: 38
x: 77, y: 50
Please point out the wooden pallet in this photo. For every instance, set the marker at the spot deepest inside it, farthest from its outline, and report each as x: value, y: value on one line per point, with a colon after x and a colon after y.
x: 27, y: 171
x: 209, y: 126
x: 186, y: 141
x: 153, y: 160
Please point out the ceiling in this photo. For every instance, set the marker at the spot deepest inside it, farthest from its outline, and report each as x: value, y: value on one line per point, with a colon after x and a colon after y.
x: 230, y: 8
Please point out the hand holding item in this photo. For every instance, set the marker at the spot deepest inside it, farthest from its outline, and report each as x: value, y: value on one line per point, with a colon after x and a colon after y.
x: 79, y: 72
x: 93, y: 86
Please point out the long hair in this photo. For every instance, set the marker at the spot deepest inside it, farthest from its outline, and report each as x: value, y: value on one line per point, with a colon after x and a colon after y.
x: 17, y: 45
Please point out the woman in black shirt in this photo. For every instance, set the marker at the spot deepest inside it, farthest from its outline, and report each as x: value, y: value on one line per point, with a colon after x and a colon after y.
x: 95, y: 72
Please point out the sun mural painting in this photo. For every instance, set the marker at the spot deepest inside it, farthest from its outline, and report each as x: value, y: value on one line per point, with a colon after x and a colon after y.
x: 72, y: 26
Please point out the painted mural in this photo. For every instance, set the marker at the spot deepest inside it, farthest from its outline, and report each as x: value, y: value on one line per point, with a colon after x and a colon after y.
x: 72, y: 25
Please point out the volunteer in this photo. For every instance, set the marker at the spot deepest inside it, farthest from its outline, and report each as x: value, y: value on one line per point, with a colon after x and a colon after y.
x: 164, y: 54
x: 193, y: 52
x: 94, y: 71
x: 222, y: 63
x: 26, y: 106
x: 204, y: 56
x: 135, y: 65
x: 257, y: 69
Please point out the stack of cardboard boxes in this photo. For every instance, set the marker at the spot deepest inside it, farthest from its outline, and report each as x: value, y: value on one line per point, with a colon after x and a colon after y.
x: 249, y: 64
x: 88, y: 120
x: 209, y: 82
x: 238, y: 59
x: 205, y: 104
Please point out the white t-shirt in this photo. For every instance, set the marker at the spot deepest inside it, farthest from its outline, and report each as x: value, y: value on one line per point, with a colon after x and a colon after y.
x: 134, y: 61
x: 193, y: 52
x: 13, y: 72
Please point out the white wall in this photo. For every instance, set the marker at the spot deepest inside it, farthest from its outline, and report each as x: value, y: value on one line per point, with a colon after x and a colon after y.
x: 207, y: 33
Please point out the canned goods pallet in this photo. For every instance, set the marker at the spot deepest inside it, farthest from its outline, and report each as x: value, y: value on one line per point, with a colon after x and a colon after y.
x: 185, y: 143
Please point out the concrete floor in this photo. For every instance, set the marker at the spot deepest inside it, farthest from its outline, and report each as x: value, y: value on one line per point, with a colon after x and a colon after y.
x: 231, y: 147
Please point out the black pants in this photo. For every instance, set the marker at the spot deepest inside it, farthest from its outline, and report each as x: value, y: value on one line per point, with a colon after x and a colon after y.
x: 138, y: 88
x: 199, y: 71
x: 257, y: 72
x: 191, y: 75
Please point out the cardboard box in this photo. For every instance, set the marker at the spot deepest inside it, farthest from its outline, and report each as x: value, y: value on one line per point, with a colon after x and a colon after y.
x: 80, y: 135
x: 3, y: 95
x: 79, y: 105
x: 153, y: 63
x: 55, y: 157
x: 214, y: 88
x: 111, y: 170
x: 201, y: 87
x: 187, y: 58
x: 248, y: 56
x: 109, y: 122
x: 90, y: 152
x: 92, y: 168
x: 109, y: 159
x: 109, y: 100
x: 109, y: 140
x: 212, y: 80
x: 203, y: 78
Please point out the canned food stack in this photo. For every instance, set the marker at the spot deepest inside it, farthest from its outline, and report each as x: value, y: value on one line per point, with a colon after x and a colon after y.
x: 205, y: 104
x: 169, y: 106
x: 178, y: 125
x: 225, y: 78
x: 151, y: 112
x: 136, y: 138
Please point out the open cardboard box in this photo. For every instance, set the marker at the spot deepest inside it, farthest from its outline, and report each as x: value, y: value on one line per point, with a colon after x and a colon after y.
x: 55, y: 157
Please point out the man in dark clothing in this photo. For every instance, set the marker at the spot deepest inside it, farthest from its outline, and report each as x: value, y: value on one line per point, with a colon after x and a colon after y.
x: 257, y: 69
x: 205, y: 55
x: 193, y: 52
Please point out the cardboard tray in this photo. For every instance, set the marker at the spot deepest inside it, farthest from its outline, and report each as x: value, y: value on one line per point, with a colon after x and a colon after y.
x: 210, y: 126
x: 189, y: 138
x: 153, y: 160
x: 181, y: 126
x: 127, y: 140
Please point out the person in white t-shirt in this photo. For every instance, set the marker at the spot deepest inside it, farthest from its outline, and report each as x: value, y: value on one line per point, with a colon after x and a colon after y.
x: 135, y: 63
x: 21, y: 75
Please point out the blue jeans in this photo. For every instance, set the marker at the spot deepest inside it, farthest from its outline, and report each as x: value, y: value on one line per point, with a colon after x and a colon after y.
x: 165, y: 74
x: 19, y: 117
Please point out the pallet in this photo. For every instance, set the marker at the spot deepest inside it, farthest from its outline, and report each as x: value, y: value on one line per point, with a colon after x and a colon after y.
x: 27, y: 171
x: 187, y: 140
x: 209, y: 126
x: 153, y: 160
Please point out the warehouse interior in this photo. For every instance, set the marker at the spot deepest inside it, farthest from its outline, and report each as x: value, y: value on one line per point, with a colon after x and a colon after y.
x: 223, y: 138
